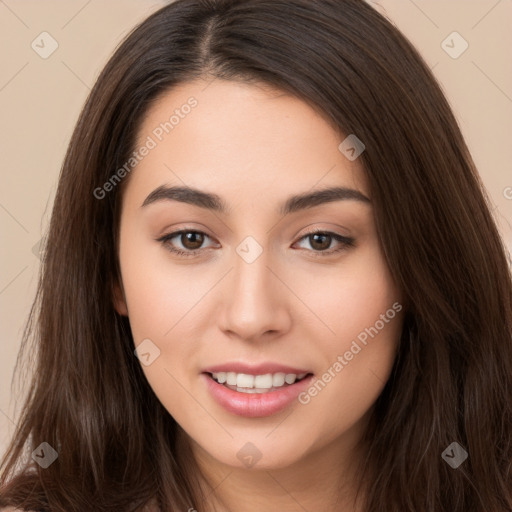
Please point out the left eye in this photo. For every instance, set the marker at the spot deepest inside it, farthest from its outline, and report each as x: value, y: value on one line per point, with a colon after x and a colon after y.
x: 318, y: 238
x: 192, y: 241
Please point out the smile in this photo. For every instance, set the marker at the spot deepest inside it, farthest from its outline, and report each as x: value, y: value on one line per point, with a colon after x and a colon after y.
x: 246, y: 383
x: 255, y: 396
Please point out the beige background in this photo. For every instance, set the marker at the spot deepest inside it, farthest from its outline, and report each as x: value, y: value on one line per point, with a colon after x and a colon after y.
x: 40, y: 100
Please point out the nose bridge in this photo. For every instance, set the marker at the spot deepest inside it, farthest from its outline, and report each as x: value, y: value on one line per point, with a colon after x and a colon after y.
x: 251, y: 274
x: 254, y: 303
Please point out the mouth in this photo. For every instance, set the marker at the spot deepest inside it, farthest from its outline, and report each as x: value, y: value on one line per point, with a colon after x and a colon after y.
x: 257, y: 384
x: 255, y: 395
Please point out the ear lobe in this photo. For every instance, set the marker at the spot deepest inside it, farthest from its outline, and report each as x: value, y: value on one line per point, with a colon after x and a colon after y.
x: 120, y: 300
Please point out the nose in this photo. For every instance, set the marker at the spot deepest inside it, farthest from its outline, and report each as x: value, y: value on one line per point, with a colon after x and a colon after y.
x: 256, y: 301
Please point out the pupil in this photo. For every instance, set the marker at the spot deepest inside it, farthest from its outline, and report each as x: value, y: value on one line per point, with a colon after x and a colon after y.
x: 322, y: 236
x: 189, y: 237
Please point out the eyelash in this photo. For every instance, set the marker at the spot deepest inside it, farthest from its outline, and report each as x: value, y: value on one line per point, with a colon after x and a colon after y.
x: 345, y: 242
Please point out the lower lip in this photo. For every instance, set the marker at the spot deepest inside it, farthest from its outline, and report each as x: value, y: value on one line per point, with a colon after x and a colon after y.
x: 255, y: 405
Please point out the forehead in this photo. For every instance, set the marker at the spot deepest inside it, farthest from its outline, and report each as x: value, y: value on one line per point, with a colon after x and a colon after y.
x: 248, y: 138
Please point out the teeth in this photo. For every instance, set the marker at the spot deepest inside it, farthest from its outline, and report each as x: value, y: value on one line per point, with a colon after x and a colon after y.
x: 278, y: 379
x: 250, y: 390
x: 289, y: 378
x: 244, y: 381
x: 263, y: 381
x: 253, y: 383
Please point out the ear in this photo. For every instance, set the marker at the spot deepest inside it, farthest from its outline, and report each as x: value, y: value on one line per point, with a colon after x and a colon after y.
x: 120, y: 300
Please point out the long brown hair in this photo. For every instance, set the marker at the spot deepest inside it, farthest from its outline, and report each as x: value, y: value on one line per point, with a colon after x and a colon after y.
x: 452, y: 379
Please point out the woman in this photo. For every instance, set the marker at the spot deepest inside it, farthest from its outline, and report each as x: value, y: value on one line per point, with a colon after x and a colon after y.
x: 271, y: 280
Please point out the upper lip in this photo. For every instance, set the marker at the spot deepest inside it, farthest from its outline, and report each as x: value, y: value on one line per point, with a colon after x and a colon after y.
x: 254, y: 369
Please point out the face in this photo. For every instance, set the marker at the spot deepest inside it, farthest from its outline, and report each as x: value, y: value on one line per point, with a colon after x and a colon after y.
x: 265, y: 341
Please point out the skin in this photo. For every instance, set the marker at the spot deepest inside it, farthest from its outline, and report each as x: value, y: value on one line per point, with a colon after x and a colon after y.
x: 254, y: 147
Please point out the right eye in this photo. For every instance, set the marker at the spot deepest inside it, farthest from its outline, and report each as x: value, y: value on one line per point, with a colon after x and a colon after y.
x: 190, y: 239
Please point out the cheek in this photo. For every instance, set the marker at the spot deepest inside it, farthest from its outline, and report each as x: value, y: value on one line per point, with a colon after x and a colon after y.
x: 160, y: 301
x: 157, y: 292
x: 350, y: 296
x: 361, y: 313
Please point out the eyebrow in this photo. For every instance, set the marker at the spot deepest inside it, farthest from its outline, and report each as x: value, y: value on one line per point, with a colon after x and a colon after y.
x: 215, y: 203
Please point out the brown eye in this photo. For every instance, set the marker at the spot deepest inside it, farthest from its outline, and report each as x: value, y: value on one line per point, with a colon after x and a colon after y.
x: 192, y: 240
x: 320, y: 242
x: 186, y: 242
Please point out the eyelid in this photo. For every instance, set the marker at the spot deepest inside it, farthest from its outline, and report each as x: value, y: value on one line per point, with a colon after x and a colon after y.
x: 164, y: 239
x: 345, y: 241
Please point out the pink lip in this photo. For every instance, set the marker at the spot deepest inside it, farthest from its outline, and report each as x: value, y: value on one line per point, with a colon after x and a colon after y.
x: 255, y: 405
x: 257, y: 369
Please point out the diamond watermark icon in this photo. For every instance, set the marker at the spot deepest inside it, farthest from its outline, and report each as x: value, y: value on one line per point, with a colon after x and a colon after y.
x: 249, y: 249
x: 44, y: 45
x: 147, y: 352
x: 36, y: 249
x: 44, y: 455
x: 454, y: 45
x: 249, y: 454
x: 351, y: 147
x: 454, y: 455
